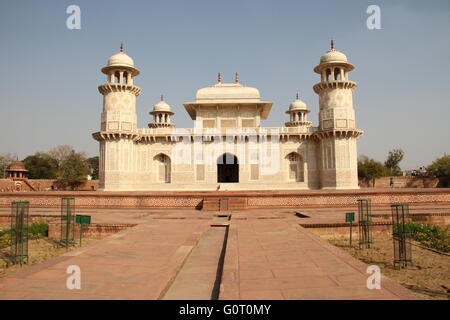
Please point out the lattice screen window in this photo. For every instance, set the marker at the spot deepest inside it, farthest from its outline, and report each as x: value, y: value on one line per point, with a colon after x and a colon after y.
x: 248, y: 123
x: 161, y: 172
x: 200, y: 172
x: 228, y: 123
x: 296, y: 164
x: 209, y: 123
x: 293, y: 171
x: 254, y: 172
x: 330, y: 158
x: 163, y: 163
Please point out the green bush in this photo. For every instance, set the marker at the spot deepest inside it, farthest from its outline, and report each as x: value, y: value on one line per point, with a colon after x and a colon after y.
x: 5, y: 238
x: 429, y: 235
x: 38, y: 229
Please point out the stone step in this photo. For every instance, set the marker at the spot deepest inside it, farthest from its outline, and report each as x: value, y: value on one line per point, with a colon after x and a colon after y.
x: 224, y: 204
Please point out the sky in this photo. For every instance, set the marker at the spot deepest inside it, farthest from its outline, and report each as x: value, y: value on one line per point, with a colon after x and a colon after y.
x: 50, y: 74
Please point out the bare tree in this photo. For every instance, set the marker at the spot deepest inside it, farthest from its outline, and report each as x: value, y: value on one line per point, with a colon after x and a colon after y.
x: 5, y: 161
x: 61, y: 153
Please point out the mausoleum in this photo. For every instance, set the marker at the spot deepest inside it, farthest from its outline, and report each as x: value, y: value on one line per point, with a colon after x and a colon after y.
x: 227, y: 148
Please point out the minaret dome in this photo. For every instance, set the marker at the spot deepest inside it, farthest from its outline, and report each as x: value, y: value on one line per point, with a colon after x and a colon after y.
x: 161, y: 115
x: 297, y: 114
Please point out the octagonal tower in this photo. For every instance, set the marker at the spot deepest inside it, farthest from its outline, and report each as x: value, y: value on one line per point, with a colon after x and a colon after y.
x: 118, y: 128
x: 337, y: 132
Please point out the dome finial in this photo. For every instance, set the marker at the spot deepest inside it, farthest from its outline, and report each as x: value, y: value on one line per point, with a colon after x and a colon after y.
x: 121, y: 46
x: 219, y: 77
x: 332, y: 44
x: 162, y: 97
x: 236, y: 78
x: 296, y: 96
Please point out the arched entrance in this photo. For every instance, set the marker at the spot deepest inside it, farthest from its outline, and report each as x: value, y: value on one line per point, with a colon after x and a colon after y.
x: 163, y: 167
x: 296, y: 164
x: 227, y: 168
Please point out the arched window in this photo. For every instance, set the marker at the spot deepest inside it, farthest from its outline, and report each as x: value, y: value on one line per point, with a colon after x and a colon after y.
x: 125, y: 78
x: 337, y: 74
x: 328, y: 74
x: 116, y: 77
x: 295, y: 163
x: 163, y: 167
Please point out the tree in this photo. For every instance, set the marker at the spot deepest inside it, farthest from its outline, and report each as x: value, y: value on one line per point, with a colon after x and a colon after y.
x: 5, y: 161
x: 41, y: 166
x: 370, y: 169
x: 93, y: 165
x: 392, y: 161
x: 74, y: 170
x: 440, y: 168
x: 61, y: 153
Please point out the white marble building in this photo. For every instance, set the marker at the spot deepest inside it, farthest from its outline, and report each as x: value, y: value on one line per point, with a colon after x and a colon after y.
x: 228, y: 149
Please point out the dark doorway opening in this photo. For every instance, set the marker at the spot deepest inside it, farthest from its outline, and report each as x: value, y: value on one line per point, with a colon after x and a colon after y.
x: 227, y: 168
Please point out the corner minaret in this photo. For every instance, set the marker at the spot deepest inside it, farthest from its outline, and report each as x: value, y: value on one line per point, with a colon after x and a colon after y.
x: 119, y: 94
x: 161, y: 115
x: 118, y: 128
x: 298, y: 114
x: 337, y: 131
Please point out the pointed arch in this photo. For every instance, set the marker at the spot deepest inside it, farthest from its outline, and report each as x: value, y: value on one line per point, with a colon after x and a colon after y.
x: 295, y: 167
x: 116, y: 77
x: 337, y: 74
x: 328, y: 74
x: 163, y: 164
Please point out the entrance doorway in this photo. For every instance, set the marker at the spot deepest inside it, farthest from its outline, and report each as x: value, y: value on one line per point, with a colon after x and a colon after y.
x: 227, y: 168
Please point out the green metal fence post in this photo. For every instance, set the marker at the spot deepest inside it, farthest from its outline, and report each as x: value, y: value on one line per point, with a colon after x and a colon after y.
x: 19, y: 232
x: 67, y: 221
x: 82, y: 220
x: 365, y: 223
x: 349, y: 218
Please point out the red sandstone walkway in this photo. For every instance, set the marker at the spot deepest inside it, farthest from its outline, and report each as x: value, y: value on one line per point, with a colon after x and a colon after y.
x: 265, y: 259
x: 135, y: 264
x: 280, y: 260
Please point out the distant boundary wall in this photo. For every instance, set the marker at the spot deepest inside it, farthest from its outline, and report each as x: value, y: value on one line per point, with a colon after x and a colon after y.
x: 402, y: 182
x: 19, y: 185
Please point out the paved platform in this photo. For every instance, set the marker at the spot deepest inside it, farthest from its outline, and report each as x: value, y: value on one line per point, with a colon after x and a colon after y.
x: 268, y: 256
x: 243, y: 199
x: 334, y: 214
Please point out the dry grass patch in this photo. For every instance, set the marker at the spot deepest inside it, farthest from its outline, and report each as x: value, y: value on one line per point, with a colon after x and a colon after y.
x: 429, y: 276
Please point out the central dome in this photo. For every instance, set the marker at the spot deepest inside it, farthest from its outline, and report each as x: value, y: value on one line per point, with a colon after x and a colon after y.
x: 228, y: 92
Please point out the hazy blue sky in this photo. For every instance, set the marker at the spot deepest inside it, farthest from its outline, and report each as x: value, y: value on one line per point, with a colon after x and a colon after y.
x: 50, y: 74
